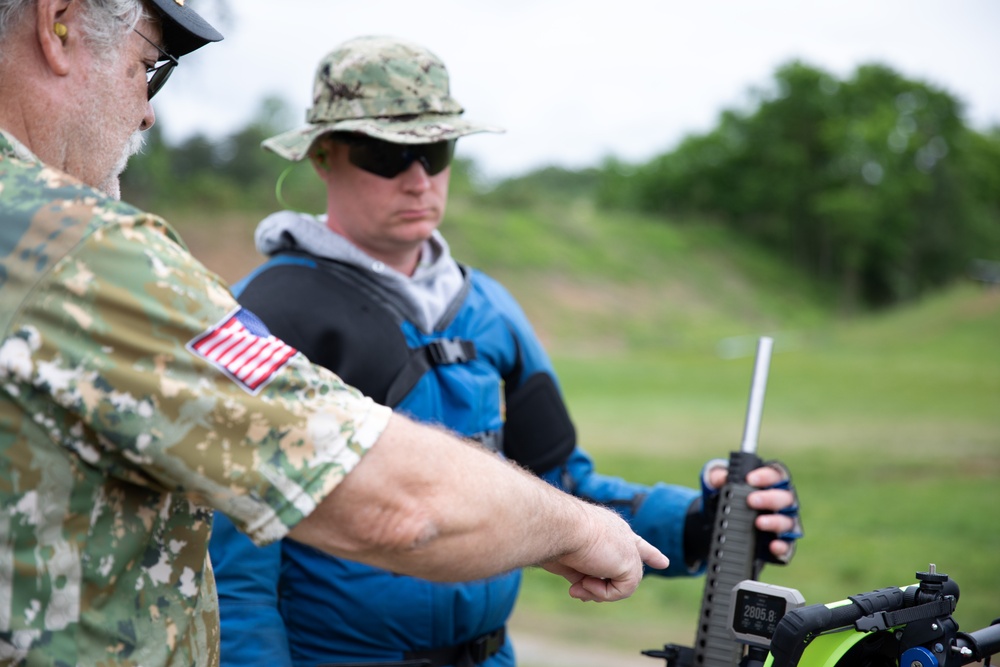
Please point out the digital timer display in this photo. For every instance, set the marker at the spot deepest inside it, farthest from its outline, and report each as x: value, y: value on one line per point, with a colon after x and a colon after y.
x: 757, y: 613
x: 758, y: 608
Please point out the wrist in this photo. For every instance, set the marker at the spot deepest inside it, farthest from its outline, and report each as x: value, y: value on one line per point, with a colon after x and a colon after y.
x: 697, y: 533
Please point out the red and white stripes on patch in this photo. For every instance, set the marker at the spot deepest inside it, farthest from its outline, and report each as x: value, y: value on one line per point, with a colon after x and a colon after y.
x: 242, y: 347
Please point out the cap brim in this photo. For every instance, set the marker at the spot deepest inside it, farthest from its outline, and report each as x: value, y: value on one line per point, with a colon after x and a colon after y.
x: 294, y: 145
x: 184, y: 30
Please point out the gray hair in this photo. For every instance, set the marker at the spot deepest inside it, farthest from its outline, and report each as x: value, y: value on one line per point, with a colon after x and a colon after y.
x: 104, y: 22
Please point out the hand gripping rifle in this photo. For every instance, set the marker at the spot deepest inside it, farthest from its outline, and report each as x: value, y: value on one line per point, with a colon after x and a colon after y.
x: 732, y: 555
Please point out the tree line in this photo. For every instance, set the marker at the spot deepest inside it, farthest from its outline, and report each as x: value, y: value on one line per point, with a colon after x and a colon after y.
x: 874, y: 183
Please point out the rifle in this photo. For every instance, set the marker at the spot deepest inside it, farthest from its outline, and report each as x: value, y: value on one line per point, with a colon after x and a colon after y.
x: 733, y: 547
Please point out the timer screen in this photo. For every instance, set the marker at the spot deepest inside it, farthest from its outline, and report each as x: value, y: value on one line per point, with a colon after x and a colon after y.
x: 757, y: 613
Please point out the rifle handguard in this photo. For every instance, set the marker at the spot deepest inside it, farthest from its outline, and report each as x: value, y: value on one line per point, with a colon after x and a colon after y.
x: 731, y: 559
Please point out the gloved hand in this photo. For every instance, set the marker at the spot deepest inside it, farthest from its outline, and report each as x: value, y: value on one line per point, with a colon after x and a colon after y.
x: 777, y: 501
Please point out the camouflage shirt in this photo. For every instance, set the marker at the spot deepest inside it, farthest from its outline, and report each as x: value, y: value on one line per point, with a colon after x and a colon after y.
x: 122, y: 429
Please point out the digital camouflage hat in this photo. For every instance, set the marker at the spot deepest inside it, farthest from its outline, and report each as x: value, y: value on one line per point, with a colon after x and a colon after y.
x: 382, y: 87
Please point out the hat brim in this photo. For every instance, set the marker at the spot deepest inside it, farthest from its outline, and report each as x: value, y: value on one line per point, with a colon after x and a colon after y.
x: 295, y: 144
x: 184, y: 30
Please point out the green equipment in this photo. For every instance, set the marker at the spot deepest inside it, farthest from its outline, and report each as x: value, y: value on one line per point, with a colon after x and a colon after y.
x: 909, y: 626
x: 889, y: 627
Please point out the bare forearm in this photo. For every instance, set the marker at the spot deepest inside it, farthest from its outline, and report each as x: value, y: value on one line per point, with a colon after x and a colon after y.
x: 422, y: 503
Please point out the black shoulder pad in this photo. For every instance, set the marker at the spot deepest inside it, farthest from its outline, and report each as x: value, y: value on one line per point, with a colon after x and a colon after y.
x: 327, y: 316
x: 538, y: 433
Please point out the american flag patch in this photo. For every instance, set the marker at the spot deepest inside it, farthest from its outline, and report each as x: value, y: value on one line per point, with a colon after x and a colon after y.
x: 242, y: 348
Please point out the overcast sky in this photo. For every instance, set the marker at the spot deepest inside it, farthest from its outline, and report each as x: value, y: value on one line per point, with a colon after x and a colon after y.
x: 574, y: 81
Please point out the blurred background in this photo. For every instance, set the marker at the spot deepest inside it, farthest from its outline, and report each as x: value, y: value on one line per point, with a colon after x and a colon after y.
x: 675, y: 182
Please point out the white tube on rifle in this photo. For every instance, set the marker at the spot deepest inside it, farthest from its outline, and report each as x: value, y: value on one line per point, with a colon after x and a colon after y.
x: 758, y: 386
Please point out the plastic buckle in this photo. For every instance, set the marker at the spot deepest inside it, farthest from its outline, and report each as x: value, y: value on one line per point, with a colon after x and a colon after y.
x: 451, y: 351
x: 482, y: 648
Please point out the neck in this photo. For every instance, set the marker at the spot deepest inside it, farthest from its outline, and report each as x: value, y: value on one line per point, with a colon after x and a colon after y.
x: 14, y: 118
x: 31, y: 116
x: 402, y: 257
x: 404, y: 261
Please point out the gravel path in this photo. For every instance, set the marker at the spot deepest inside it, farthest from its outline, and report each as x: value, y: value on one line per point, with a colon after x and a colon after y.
x: 539, y: 651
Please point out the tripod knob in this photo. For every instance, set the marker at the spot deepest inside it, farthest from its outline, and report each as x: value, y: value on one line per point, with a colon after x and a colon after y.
x: 918, y: 656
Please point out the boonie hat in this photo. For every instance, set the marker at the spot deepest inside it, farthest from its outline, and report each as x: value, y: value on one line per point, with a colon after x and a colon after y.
x: 382, y: 87
x: 184, y: 31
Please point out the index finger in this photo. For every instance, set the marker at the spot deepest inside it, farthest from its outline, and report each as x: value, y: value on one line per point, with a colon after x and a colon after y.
x: 652, y: 556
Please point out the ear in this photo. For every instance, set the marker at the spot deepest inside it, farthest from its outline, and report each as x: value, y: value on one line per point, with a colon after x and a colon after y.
x: 55, y: 46
x: 319, y: 156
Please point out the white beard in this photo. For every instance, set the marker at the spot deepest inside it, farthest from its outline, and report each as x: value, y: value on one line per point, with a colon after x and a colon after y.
x: 112, y: 185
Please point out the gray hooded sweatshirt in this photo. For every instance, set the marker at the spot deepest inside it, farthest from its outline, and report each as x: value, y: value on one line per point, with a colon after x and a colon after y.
x: 425, y: 296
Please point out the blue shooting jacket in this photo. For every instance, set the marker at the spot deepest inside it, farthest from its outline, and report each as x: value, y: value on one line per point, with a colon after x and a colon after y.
x: 290, y: 604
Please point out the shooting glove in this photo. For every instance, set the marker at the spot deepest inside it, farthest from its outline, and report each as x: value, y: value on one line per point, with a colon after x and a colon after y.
x: 701, y: 515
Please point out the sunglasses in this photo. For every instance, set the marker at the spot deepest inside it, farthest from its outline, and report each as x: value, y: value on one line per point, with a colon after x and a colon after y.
x: 158, y: 74
x: 388, y: 160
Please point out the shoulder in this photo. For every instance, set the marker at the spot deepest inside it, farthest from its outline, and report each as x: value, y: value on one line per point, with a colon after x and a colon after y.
x: 61, y: 241
x: 494, y: 294
x: 487, y: 285
x: 37, y: 196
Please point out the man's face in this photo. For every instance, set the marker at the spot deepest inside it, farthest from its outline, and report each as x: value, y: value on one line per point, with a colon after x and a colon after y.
x: 388, y: 218
x: 116, y: 110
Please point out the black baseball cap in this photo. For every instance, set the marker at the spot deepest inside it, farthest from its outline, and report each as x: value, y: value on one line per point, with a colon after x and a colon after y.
x: 183, y: 30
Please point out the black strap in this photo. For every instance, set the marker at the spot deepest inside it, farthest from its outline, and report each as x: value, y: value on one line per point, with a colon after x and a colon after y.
x: 471, y: 653
x: 512, y: 378
x: 436, y: 353
x: 883, y: 620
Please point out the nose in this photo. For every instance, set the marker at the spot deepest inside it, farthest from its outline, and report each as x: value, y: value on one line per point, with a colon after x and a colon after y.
x: 415, y: 178
x: 149, y: 118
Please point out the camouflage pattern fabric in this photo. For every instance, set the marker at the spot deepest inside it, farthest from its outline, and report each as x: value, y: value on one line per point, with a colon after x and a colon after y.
x: 382, y: 87
x: 117, y: 442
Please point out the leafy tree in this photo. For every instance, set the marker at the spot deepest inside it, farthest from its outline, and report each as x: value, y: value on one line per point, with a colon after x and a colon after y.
x: 867, y: 182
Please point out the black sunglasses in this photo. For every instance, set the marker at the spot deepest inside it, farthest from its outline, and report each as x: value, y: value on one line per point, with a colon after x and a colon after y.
x: 158, y: 74
x: 388, y: 160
